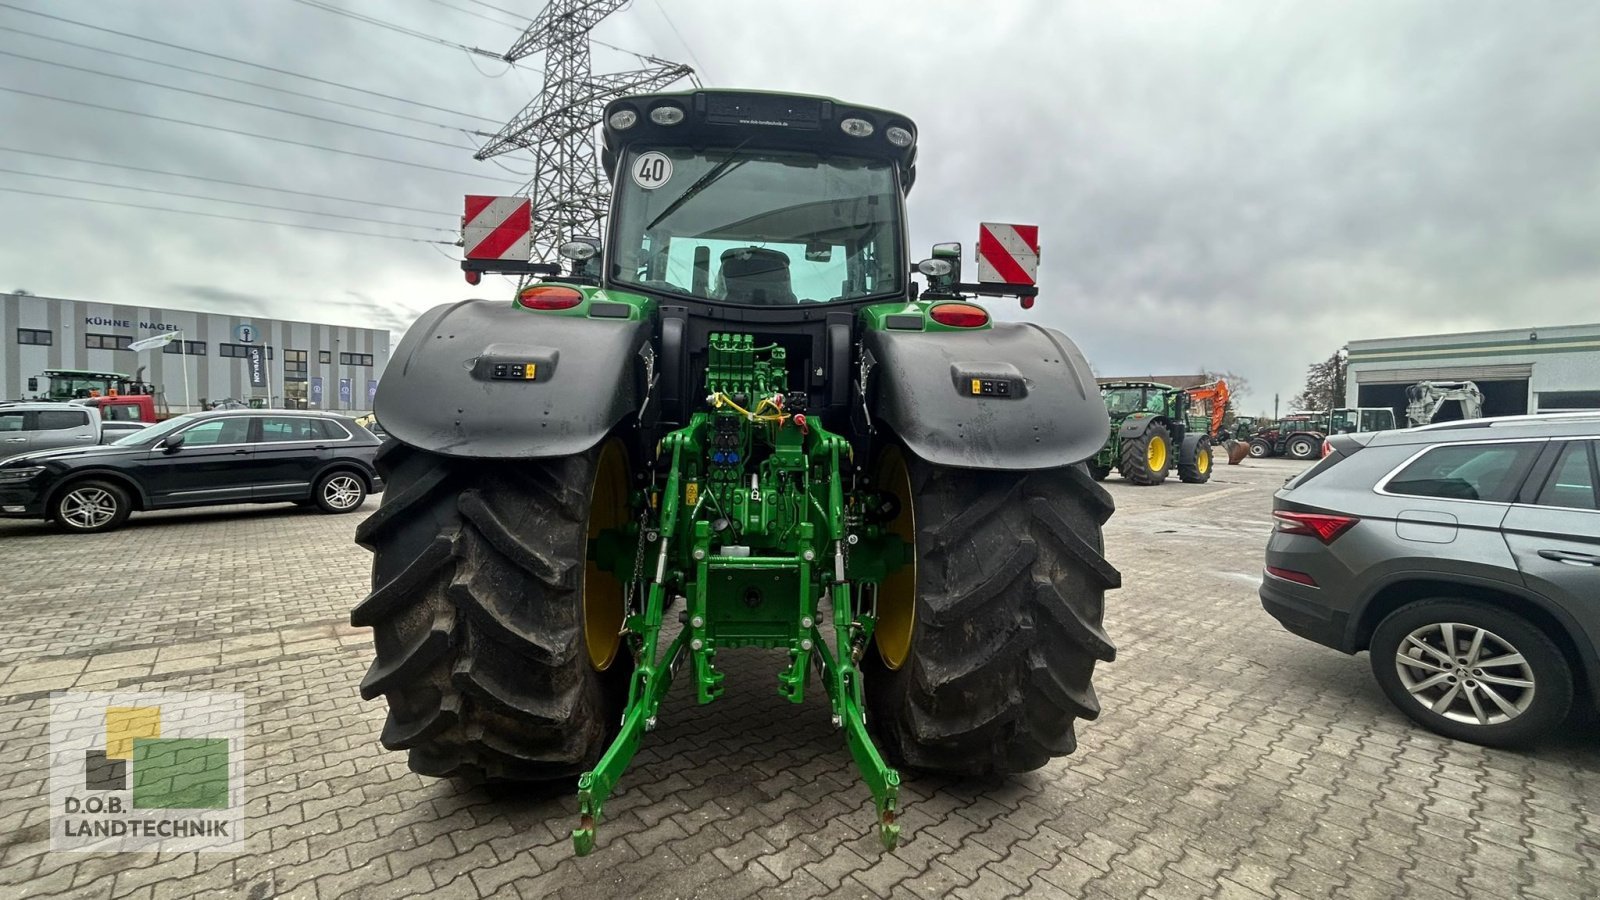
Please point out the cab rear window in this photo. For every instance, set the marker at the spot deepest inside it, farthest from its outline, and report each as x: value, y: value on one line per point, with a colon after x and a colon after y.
x: 1491, y: 472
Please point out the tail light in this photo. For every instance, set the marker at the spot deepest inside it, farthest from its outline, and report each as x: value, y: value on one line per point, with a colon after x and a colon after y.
x: 1321, y: 526
x: 960, y: 315
x: 542, y: 296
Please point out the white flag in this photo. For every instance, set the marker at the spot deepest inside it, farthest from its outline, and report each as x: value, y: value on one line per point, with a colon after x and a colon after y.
x: 157, y: 341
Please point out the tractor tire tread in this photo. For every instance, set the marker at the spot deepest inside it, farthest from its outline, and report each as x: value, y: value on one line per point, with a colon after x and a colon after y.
x: 475, y: 610
x: 1008, y: 622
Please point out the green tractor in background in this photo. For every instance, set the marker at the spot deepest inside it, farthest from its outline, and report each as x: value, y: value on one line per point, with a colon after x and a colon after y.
x: 737, y: 424
x: 1154, y: 427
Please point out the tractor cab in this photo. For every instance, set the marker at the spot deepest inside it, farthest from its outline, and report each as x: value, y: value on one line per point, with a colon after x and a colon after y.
x: 759, y: 201
x: 75, y: 384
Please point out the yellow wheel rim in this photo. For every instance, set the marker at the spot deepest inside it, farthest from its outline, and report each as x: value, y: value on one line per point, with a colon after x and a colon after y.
x: 1155, y: 455
x: 602, y: 591
x: 1203, y: 461
x: 897, y: 595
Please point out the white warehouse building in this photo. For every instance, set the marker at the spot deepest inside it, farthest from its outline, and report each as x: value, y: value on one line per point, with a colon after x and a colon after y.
x: 1519, y: 370
x: 308, y: 365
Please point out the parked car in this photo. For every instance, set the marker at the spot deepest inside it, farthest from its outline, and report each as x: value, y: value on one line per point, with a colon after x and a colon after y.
x: 200, y: 459
x: 1464, y: 557
x: 26, y: 427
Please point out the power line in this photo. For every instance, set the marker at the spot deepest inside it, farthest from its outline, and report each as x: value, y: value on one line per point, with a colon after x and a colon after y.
x: 244, y: 81
x: 265, y: 106
x: 190, y: 212
x: 398, y: 29
x: 670, y: 24
x: 242, y: 62
x: 265, y: 137
x: 209, y: 199
x: 243, y: 184
x: 518, y: 16
x: 477, y: 15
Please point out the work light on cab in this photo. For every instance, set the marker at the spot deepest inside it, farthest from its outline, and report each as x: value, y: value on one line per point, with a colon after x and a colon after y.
x: 667, y: 114
x: 542, y: 296
x: 959, y: 315
x: 623, y: 119
x: 856, y: 127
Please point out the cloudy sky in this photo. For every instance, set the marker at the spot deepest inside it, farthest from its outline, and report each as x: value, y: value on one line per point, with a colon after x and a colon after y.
x: 1224, y: 185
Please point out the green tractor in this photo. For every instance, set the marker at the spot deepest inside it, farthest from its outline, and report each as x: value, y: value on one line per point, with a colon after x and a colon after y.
x: 737, y: 422
x: 1152, y: 428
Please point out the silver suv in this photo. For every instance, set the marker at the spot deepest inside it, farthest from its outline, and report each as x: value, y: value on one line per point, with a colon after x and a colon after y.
x: 31, y: 427
x: 1465, y: 557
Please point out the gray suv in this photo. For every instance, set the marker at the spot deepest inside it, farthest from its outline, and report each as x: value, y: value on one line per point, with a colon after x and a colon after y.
x: 1465, y: 557
x: 30, y: 427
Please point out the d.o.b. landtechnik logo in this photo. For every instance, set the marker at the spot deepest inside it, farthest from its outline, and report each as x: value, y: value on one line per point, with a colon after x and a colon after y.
x: 146, y: 772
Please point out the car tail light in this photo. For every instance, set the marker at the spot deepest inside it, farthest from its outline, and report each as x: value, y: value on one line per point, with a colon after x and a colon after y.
x: 1292, y: 575
x: 960, y: 315
x: 1321, y: 526
x: 549, y: 297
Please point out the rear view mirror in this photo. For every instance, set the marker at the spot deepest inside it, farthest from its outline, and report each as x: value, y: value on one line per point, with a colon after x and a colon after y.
x: 819, y: 252
x: 172, y: 444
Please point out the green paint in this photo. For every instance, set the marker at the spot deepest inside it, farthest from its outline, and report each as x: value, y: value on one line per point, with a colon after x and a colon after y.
x: 180, y: 773
x: 753, y: 548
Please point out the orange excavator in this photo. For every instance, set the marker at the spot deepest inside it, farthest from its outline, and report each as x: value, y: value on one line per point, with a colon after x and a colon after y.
x: 1215, y: 395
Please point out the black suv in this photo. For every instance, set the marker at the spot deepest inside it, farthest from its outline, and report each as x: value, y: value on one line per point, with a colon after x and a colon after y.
x: 201, y: 459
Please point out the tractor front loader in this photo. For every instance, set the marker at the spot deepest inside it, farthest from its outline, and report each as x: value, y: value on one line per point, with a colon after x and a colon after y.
x: 738, y: 411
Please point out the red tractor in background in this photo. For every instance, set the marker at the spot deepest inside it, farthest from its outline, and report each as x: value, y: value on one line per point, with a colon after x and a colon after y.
x: 1297, y: 436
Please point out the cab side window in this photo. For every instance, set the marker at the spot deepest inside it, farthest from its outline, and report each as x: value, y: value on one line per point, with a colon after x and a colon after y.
x: 11, y: 421
x: 1571, y: 484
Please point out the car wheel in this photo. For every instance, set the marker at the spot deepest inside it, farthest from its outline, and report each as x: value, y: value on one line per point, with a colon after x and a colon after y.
x: 88, y: 507
x: 1472, y: 671
x: 340, y: 492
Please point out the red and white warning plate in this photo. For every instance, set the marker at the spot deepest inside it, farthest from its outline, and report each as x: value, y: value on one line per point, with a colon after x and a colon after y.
x: 1008, y: 254
x: 497, y: 227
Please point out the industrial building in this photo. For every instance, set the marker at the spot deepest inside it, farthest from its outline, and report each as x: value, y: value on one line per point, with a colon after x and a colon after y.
x: 308, y: 365
x: 1519, y: 370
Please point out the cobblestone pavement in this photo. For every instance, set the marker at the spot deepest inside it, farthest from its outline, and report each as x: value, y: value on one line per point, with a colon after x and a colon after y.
x: 1232, y: 759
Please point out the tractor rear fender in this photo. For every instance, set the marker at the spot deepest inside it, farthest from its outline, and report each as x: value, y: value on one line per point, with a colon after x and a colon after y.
x: 1135, y: 427
x: 441, y: 392
x: 920, y: 384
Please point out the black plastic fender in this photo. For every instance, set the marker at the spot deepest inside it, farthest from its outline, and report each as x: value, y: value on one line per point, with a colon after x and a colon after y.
x: 1135, y: 426
x: 1190, y: 451
x: 440, y: 393
x: 920, y: 385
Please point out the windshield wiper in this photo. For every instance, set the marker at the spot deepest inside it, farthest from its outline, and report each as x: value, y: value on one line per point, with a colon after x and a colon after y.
x: 703, y: 182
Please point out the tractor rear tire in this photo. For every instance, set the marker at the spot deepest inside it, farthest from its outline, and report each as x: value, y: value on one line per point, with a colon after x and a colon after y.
x: 1302, y: 447
x: 1009, y: 591
x: 477, y: 610
x: 1195, y: 466
x: 1142, y: 461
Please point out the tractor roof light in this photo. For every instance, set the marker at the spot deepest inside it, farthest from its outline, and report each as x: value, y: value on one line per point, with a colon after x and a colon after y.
x: 667, y: 114
x: 960, y: 315
x: 623, y: 119
x: 578, y: 250
x: 900, y: 137
x: 856, y: 127
x: 935, y: 268
x: 544, y: 296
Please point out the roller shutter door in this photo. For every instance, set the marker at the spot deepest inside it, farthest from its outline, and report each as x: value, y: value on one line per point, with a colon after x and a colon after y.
x: 1520, y: 371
